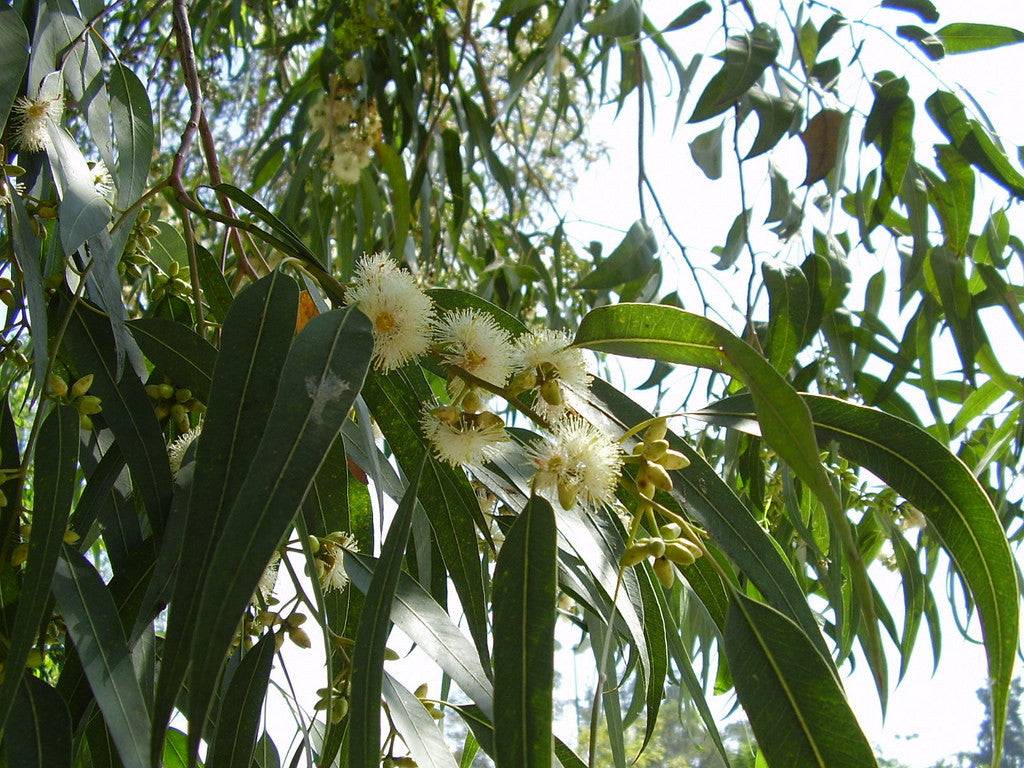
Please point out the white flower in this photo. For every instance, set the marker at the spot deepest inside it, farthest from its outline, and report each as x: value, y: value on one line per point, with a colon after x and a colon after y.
x: 330, y: 561
x: 176, y: 450
x: 347, y: 167
x: 581, y: 463
x: 551, y: 357
x: 30, y: 116
x: 398, y: 310
x: 102, y: 181
x: 472, y: 341
x: 460, y: 438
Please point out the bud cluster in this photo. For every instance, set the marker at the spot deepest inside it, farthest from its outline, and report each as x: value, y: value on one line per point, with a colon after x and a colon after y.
x: 349, y: 127
x: 668, y: 547
x: 175, y: 403
x: 656, y: 460
x: 77, y: 395
x: 139, y: 244
x: 20, y: 553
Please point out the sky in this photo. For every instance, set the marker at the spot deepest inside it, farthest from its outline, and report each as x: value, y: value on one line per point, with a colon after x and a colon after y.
x: 930, y: 716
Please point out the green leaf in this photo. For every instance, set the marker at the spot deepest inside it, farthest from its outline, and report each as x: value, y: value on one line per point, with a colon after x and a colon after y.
x: 56, y: 462
x: 418, y: 729
x: 775, y: 114
x: 28, y: 258
x: 734, y: 241
x: 923, y: 9
x: 926, y: 474
x: 127, y: 411
x: 632, y: 257
x: 428, y: 625
x: 953, y: 197
x: 38, y: 734
x: 215, y: 287
x: 391, y: 161
x: 890, y: 125
x: 525, y: 586
x: 176, y: 749
x: 133, y: 134
x: 793, y: 699
x: 178, y: 351
x: 257, y: 333
x: 371, y: 638
x: 972, y: 141
x: 13, y: 59
x: 745, y: 58
x: 706, y: 150
x: 95, y: 628
x: 323, y: 373
x: 84, y: 213
x: 241, y: 708
x: 689, y: 17
x: 621, y: 19
x: 929, y: 44
x: 969, y: 37
x: 787, y: 313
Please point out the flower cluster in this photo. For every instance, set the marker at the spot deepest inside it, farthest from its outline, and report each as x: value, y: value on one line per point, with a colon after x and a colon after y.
x: 580, y: 463
x: 30, y: 121
x: 349, y: 128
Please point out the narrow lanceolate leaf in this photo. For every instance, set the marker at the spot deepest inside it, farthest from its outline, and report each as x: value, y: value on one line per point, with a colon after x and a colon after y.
x: 323, y: 373
x: 525, y: 583
x: 925, y: 473
x: 13, y: 59
x: 178, y: 351
x: 792, y: 698
x: 418, y: 729
x: 27, y: 256
x: 968, y: 37
x: 127, y: 412
x: 95, y: 629
x: 371, y: 638
x: 132, y: 119
x: 744, y: 59
x: 428, y: 625
x: 38, y: 735
x: 56, y: 461
x: 257, y: 333
x: 84, y: 212
x: 241, y: 708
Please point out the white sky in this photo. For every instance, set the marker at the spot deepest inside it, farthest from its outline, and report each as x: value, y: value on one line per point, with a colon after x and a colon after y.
x: 941, y: 709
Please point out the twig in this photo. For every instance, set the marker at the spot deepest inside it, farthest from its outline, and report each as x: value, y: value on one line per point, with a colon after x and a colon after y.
x: 640, y: 172
x: 193, y: 270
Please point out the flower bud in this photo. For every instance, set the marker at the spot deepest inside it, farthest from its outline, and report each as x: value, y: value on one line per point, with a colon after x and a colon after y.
x: 551, y: 392
x: 34, y: 660
x: 153, y: 391
x: 665, y: 572
x: 670, y: 531
x: 674, y: 460
x: 657, y: 475
x: 296, y: 620
x: 471, y: 401
x: 81, y: 386
x: 390, y: 655
x: 85, y: 422
x: 87, y: 405
x: 655, y: 449
x: 339, y: 708
x: 655, y: 548
x: 57, y: 386
x: 447, y: 415
x: 679, y: 552
x: 166, y: 391
x: 567, y: 495
x: 523, y: 381
x: 70, y: 537
x: 314, y: 544
x: 488, y: 420
x: 183, y: 395
x: 299, y: 637
x: 656, y: 431
x: 633, y: 555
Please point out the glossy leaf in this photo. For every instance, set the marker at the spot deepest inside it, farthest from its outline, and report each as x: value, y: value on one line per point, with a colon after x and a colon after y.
x: 794, y: 701
x: 38, y: 733
x: 744, y: 60
x: 95, y: 628
x: 418, y: 729
x: 242, y: 707
x: 178, y: 351
x: 56, y: 462
x: 371, y: 638
x: 322, y: 375
x: 13, y: 59
x: 525, y: 587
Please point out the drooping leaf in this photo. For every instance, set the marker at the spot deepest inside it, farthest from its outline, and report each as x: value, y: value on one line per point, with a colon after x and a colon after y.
x: 13, y: 59
x: 84, y: 213
x: 178, y: 351
x: 923, y: 9
x: 371, y: 638
x: 322, y: 375
x: 27, y: 256
x: 96, y: 631
x: 890, y: 125
x: 38, y: 733
x: 425, y: 622
x: 744, y: 60
x: 418, y: 729
x: 525, y: 587
x: 621, y: 19
x: 735, y: 240
x: 775, y: 115
x: 256, y: 337
x: 792, y: 697
x: 929, y: 44
x: 56, y: 462
x: 391, y: 161
x: 953, y: 197
x: 242, y: 707
x: 787, y: 315
x: 968, y: 37
x: 706, y: 151
x: 132, y: 119
x: 689, y: 17
x: 633, y: 257
x: 821, y: 144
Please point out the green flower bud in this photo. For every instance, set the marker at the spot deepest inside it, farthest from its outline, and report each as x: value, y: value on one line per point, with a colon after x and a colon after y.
x: 655, y: 449
x: 81, y: 386
x: 656, y: 548
x: 183, y: 395
x: 56, y: 385
x: 166, y: 391
x: 656, y: 431
x: 679, y: 552
x: 87, y: 405
x: 633, y: 555
x: 299, y: 637
x: 153, y: 391
x: 674, y: 460
x: 551, y: 391
x: 657, y: 475
x: 670, y: 531
x: 523, y: 381
x: 85, y: 422
x: 665, y: 572
x: 567, y: 495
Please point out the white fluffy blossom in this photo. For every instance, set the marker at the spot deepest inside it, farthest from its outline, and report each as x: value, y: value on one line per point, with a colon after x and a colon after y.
x: 102, y: 181
x: 462, y: 439
x: 471, y: 340
x: 30, y: 116
x: 177, y: 449
x: 330, y: 560
x: 550, y: 355
x: 398, y: 310
x: 580, y: 463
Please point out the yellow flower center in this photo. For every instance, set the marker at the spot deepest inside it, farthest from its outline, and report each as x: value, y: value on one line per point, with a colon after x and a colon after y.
x: 384, y: 322
x: 36, y: 110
